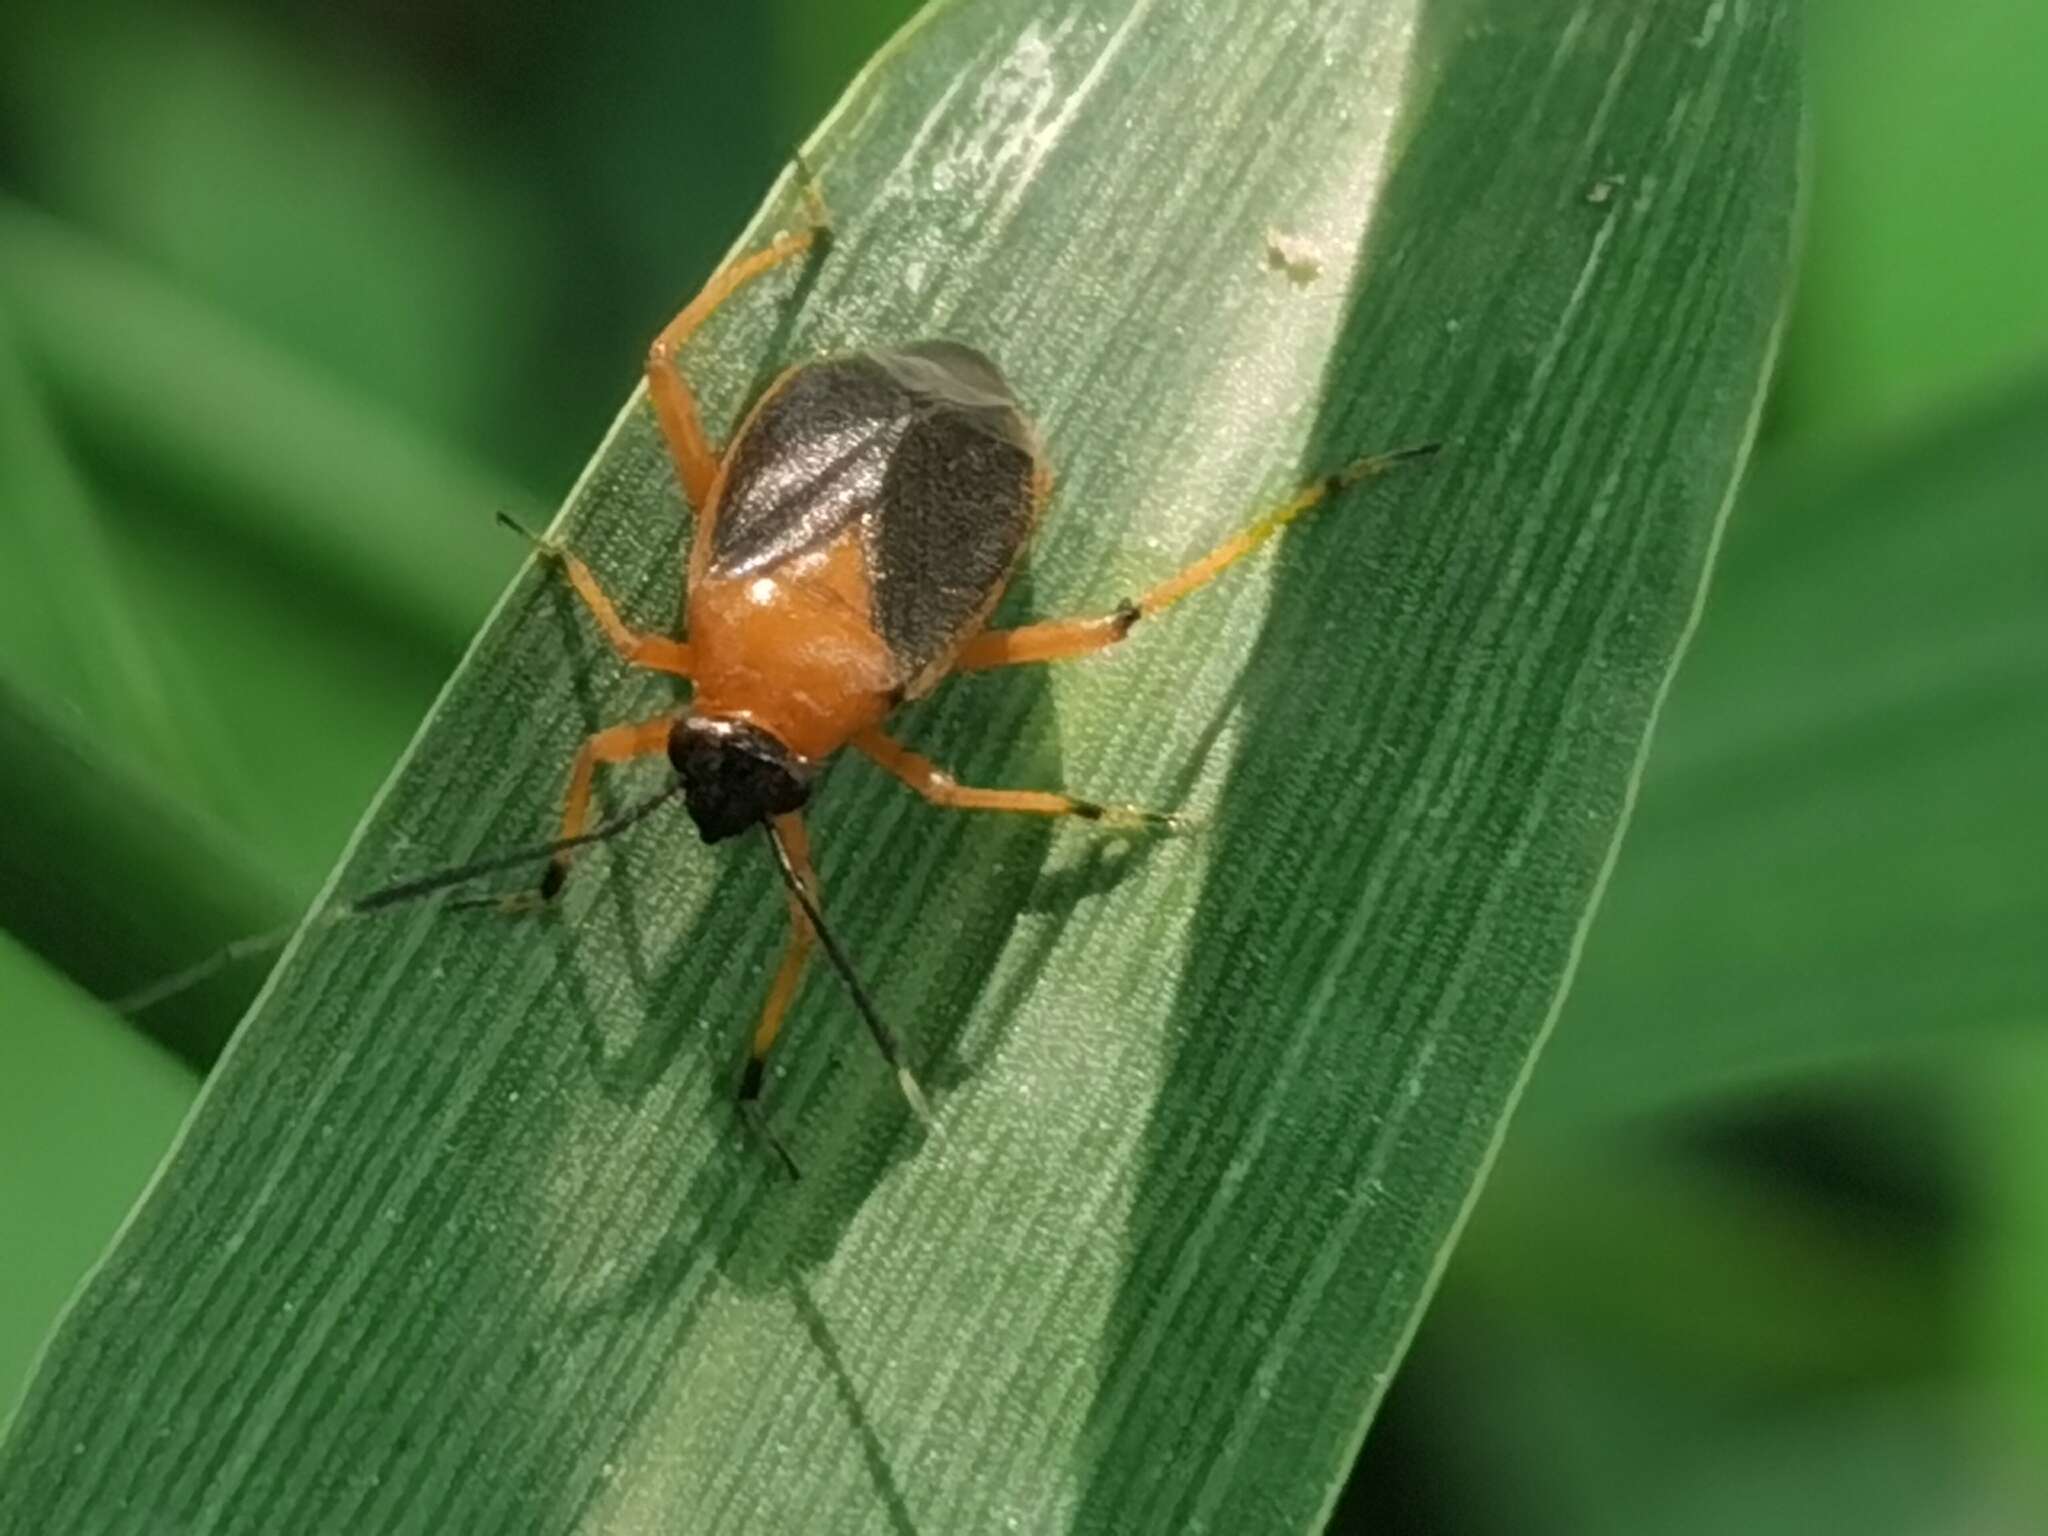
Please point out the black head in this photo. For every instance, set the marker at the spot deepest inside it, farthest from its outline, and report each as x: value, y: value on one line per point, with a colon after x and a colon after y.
x: 735, y: 775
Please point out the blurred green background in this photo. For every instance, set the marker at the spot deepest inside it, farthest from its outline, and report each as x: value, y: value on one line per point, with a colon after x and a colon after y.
x: 292, y: 297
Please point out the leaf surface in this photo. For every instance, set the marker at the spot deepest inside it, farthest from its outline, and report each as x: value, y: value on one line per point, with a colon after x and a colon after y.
x: 1823, y: 874
x: 464, y: 1235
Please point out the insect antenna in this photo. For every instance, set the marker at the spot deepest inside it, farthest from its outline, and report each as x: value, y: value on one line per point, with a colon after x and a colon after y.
x: 441, y: 879
x: 152, y: 993
x: 885, y: 1037
x: 149, y: 994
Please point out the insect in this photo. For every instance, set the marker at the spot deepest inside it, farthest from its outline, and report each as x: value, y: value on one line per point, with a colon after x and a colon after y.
x: 852, y: 539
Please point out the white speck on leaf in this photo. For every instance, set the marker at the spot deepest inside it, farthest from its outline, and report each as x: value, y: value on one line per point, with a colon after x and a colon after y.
x: 1293, y: 255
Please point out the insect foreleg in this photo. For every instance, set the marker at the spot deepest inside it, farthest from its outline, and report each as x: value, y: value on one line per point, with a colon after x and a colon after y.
x: 675, y: 404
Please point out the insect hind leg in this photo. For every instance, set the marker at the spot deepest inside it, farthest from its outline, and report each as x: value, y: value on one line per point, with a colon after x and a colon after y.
x: 939, y: 787
x: 1064, y: 639
x: 781, y: 991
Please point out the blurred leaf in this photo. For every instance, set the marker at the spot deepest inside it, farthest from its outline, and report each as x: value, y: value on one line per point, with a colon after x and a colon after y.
x: 1920, y: 287
x: 1514, y: 1431
x: 68, y: 633
x: 117, y: 882
x: 316, y: 563
x: 2004, y: 1122
x: 1723, y: 1282
x: 315, y: 197
x: 308, y: 697
x: 1824, y: 869
x: 1548, y: 1438
x: 113, y: 866
x: 91, y: 1107
x: 465, y: 1234
x: 1906, y: 1464
x: 812, y: 43
x: 193, y: 406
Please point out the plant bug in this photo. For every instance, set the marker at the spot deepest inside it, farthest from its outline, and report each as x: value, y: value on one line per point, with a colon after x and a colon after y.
x: 852, y: 539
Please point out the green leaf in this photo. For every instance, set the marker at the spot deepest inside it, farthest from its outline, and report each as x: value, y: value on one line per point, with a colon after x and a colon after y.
x: 321, y: 202
x: 465, y: 1234
x: 204, y: 409
x: 68, y: 633
x: 1555, y: 1439
x: 1919, y: 288
x: 1729, y: 1284
x: 1905, y: 1463
x: 233, y: 587
x: 113, y: 867
x: 106, y: 875
x: 94, y: 1105
x: 1823, y: 873
x: 159, y: 809
x: 2003, y: 1121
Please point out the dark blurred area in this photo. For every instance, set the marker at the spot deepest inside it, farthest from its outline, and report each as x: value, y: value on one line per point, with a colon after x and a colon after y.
x: 1812, y: 1301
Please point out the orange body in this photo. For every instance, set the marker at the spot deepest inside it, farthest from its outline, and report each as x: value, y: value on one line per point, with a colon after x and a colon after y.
x: 793, y: 652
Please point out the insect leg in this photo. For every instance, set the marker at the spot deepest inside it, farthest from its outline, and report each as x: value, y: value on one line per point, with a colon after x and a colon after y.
x: 675, y: 405
x: 618, y: 744
x: 781, y: 991
x: 658, y: 653
x: 1061, y: 639
x: 938, y: 786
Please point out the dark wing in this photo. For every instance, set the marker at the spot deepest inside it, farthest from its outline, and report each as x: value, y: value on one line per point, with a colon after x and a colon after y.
x: 926, y: 449
x: 811, y: 461
x: 957, y: 503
